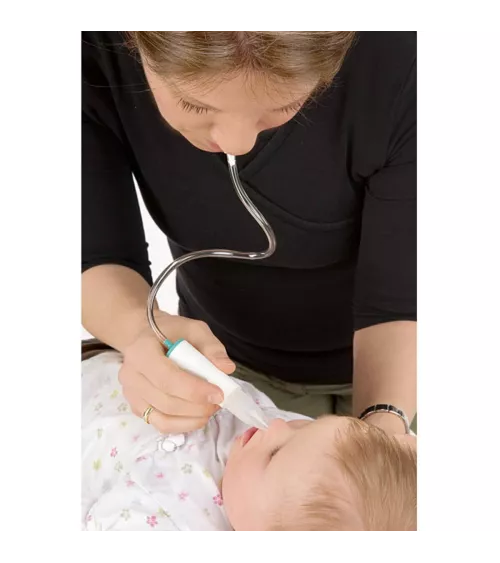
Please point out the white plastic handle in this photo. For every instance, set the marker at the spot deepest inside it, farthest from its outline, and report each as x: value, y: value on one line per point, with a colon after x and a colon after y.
x: 188, y: 358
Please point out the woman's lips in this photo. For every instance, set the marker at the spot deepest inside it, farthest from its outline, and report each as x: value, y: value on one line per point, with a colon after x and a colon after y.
x: 245, y: 438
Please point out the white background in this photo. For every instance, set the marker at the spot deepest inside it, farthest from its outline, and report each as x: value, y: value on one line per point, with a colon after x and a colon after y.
x: 458, y: 288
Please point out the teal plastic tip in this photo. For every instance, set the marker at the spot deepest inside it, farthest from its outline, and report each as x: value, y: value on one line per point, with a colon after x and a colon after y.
x: 172, y: 345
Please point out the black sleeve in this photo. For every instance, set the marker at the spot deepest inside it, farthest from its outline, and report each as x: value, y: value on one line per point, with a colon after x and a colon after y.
x: 112, y: 230
x: 386, y: 277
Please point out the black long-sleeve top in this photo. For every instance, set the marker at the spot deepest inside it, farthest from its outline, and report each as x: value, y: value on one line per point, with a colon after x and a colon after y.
x: 337, y: 183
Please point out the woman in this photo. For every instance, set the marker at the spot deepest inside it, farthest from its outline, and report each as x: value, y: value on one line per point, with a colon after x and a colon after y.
x: 324, y: 128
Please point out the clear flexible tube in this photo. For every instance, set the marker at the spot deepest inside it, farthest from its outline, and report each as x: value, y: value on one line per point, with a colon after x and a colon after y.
x: 217, y: 252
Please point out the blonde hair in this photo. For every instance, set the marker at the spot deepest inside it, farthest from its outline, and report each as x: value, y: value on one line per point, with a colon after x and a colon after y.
x: 379, y: 493
x: 191, y: 56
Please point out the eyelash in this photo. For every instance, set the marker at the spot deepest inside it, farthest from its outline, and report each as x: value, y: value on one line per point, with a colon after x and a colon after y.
x: 188, y: 107
x: 274, y: 452
x: 290, y: 109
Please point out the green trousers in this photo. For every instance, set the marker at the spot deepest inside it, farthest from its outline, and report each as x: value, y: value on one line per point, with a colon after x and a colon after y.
x: 309, y: 400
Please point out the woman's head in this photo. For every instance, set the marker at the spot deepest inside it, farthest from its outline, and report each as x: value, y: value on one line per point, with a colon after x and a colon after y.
x: 335, y: 473
x: 220, y: 89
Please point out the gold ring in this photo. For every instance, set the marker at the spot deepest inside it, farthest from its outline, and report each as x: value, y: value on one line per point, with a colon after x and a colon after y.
x: 146, y: 414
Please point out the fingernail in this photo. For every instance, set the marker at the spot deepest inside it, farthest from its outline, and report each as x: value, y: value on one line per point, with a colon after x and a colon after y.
x: 216, y: 398
x: 226, y: 361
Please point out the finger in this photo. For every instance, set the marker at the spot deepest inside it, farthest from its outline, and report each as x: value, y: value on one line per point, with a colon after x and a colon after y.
x: 168, y: 378
x: 202, y: 338
x: 167, y: 404
x: 168, y: 424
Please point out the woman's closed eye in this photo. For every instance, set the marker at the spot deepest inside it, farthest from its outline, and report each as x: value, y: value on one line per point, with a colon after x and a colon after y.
x: 189, y: 107
x: 292, y: 108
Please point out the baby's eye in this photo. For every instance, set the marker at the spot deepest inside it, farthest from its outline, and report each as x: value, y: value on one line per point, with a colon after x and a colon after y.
x: 274, y: 452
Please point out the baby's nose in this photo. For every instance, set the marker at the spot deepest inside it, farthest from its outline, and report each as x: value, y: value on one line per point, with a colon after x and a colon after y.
x: 277, y: 425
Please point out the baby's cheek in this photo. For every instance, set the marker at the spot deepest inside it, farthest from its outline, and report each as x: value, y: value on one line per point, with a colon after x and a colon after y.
x: 238, y: 492
x: 231, y: 499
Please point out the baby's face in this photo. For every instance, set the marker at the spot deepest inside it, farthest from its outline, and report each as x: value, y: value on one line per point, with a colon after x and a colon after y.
x: 266, y: 465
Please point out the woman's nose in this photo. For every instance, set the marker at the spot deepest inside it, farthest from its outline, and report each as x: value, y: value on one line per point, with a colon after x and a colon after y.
x: 235, y: 138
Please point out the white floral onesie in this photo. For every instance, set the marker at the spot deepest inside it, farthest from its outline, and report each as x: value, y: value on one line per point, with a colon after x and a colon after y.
x: 134, y: 478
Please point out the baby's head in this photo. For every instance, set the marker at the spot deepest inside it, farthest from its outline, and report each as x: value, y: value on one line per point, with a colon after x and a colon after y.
x: 334, y: 473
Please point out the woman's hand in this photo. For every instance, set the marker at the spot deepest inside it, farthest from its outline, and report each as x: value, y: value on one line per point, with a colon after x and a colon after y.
x: 182, y: 402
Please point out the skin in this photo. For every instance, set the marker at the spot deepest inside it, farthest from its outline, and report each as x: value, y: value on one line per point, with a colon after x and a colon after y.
x: 384, y: 355
x: 114, y: 310
x: 273, y: 471
x: 230, y: 115
x: 385, y: 371
x: 275, y: 463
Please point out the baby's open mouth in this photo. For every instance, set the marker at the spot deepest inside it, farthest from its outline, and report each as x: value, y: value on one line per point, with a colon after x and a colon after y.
x: 245, y: 438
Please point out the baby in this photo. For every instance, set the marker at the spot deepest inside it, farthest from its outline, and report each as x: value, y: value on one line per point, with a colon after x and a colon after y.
x: 334, y: 473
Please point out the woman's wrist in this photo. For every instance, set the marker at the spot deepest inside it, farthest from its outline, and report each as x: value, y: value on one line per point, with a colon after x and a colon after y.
x: 114, y: 300
x: 386, y: 421
x: 134, y: 322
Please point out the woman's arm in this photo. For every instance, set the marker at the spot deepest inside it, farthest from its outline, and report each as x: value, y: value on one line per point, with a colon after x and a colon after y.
x: 114, y: 304
x: 116, y: 278
x: 385, y: 302
x: 385, y: 371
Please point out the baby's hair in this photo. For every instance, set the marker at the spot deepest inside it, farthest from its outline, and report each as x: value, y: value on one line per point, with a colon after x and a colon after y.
x: 379, y: 492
